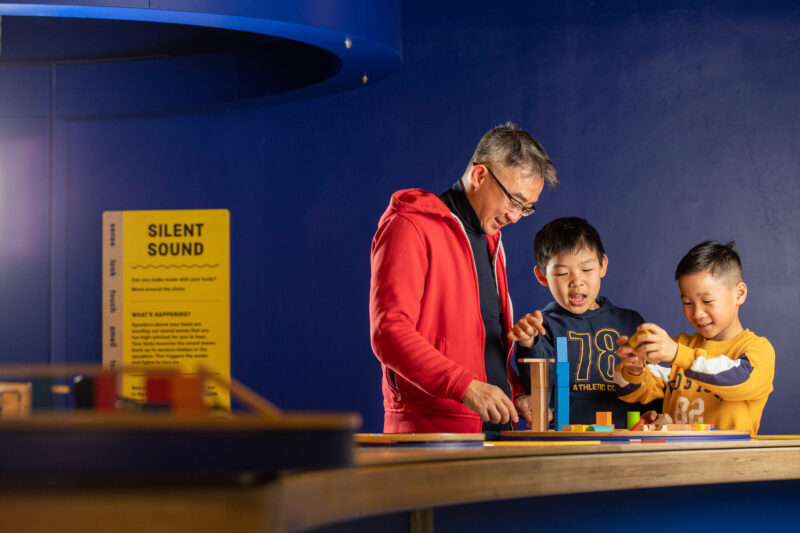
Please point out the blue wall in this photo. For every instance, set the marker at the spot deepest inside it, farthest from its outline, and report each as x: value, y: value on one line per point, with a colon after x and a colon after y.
x: 668, y: 126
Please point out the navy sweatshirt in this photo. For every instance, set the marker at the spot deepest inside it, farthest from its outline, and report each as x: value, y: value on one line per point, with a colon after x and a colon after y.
x: 591, y: 346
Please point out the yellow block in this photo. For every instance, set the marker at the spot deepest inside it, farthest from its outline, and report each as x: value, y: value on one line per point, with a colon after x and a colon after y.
x: 633, y: 342
x: 574, y: 427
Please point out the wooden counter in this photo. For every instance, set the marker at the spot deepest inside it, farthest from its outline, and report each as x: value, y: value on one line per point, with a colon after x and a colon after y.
x: 387, y: 480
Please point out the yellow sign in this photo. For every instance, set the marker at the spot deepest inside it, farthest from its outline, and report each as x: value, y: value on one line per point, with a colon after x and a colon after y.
x: 166, y: 294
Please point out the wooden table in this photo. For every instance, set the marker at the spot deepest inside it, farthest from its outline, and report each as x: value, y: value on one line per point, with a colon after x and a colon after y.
x: 386, y: 480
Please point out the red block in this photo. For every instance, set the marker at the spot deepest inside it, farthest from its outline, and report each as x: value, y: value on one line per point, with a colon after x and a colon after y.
x: 105, y: 391
x: 158, y: 390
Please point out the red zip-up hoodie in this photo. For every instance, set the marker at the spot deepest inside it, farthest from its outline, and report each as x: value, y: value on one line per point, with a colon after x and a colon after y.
x: 425, y: 319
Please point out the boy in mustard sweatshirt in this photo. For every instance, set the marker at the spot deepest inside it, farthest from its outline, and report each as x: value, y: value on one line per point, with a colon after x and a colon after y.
x: 720, y: 375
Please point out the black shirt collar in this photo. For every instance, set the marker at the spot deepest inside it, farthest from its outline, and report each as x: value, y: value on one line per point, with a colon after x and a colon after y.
x: 456, y: 199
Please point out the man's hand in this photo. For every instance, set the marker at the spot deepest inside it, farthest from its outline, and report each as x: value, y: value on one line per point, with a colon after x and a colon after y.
x: 490, y: 402
x: 657, y: 346
x: 630, y: 361
x: 527, y: 329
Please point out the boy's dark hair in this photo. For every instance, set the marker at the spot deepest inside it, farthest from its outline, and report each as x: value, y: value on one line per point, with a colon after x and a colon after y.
x: 720, y: 260
x: 566, y: 234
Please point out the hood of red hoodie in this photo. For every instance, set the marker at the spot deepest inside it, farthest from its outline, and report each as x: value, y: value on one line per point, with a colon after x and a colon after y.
x: 426, y: 202
x: 416, y: 201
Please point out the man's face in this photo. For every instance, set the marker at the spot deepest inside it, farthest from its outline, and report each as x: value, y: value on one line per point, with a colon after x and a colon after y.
x: 574, y: 279
x: 711, y: 305
x: 490, y: 203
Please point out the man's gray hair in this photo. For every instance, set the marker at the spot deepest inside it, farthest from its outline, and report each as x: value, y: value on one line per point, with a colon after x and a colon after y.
x: 511, y: 146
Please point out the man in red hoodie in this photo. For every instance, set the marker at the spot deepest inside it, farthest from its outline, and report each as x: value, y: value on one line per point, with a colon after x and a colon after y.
x: 439, y: 305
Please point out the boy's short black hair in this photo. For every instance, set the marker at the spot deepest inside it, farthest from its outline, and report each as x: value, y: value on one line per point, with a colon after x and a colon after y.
x: 720, y: 260
x: 566, y: 234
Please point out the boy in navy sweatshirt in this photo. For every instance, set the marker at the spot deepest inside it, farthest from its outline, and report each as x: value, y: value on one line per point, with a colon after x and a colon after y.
x: 571, y: 261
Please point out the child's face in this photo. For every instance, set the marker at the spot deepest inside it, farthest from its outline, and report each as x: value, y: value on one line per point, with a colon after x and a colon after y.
x: 711, y: 305
x: 574, y: 279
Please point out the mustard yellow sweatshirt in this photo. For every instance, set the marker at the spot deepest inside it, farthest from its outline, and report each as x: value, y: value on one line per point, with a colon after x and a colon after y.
x: 725, y: 383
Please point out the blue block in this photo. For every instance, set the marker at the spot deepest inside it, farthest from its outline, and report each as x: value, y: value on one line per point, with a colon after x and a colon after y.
x: 562, y: 407
x: 561, y: 350
x: 562, y: 369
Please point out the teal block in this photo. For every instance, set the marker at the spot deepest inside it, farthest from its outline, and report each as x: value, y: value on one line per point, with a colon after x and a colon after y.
x: 42, y: 393
x: 562, y: 368
x: 595, y: 427
x: 562, y: 407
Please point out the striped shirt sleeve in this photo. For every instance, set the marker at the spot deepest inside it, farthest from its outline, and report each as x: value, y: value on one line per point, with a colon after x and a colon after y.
x: 746, y: 377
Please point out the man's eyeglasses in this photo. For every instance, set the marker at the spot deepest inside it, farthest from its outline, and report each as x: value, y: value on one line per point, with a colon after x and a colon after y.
x: 514, y: 205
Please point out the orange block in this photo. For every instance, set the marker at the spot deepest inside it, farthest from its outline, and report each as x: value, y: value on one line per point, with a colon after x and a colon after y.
x: 603, y: 418
x: 187, y: 394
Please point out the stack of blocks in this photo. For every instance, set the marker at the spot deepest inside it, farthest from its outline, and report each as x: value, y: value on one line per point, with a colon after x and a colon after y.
x: 562, y: 383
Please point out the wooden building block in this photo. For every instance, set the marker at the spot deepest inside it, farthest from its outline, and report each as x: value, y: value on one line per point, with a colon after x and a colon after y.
x: 633, y: 418
x: 633, y: 341
x: 678, y: 427
x: 561, y: 350
x: 105, y: 387
x: 540, y: 387
x: 15, y: 399
x: 600, y: 427
x: 562, y: 405
x: 42, y: 394
x: 603, y: 418
x: 158, y: 390
x: 187, y: 394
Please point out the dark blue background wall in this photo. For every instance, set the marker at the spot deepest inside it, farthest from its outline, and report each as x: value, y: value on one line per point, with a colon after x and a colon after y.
x: 668, y: 126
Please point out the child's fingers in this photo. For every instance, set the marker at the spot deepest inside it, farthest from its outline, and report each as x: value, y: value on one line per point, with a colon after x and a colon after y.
x: 537, y: 315
x: 624, y: 350
x: 517, y: 335
x: 531, y: 324
x: 622, y: 340
x: 643, y: 351
x: 525, y: 329
x: 655, y: 330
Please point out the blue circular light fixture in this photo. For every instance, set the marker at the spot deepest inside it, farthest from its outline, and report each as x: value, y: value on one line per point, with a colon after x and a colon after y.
x: 122, y: 57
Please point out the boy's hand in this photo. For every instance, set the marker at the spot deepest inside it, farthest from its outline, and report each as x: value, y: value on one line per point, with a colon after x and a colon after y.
x: 648, y: 417
x: 527, y: 329
x: 630, y: 361
x: 524, y: 408
x: 657, y: 346
x: 523, y: 405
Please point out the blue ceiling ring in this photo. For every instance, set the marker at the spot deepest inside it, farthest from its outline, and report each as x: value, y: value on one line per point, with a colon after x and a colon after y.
x: 362, y: 35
